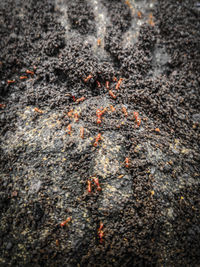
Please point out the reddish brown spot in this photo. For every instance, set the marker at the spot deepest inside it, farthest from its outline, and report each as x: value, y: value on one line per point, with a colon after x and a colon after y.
x: 23, y: 77
x: 30, y: 72
x: 10, y: 81
x: 112, y: 95
x: 88, y: 78
x: 62, y: 224
x: 38, y: 110
x: 80, y: 99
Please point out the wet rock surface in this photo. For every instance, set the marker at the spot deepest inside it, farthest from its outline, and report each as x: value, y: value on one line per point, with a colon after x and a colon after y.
x: 145, y: 202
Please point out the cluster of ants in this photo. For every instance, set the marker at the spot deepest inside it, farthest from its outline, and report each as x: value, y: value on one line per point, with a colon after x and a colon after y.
x: 28, y: 72
x: 99, y: 231
x: 94, y: 181
x: 99, y: 112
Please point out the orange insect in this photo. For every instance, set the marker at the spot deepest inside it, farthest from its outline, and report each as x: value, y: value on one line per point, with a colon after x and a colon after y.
x: 138, y: 122
x: 69, y: 129
x: 87, y: 78
x: 99, y: 113
x: 157, y: 130
x: 124, y: 111
x: 100, y: 227
x: 38, y: 110
x: 75, y: 117
x: 103, y: 111
x: 100, y: 232
x: 98, y: 84
x: 57, y: 242
x: 10, y: 81
x: 30, y: 72
x: 97, y: 140
x: 99, y: 42
x: 99, y: 120
x: 150, y: 21
x: 96, y: 181
x: 101, y: 235
x: 135, y: 115
x: 23, y: 77
x: 89, y: 188
x: 2, y: 105
x: 118, y: 83
x: 107, y: 84
x: 139, y: 14
x: 82, y: 132
x: 127, y: 163
x: 80, y: 99
x: 70, y: 113
x: 127, y: 2
x: 112, y: 108
x: 111, y: 94
x: 62, y: 224
x: 74, y: 98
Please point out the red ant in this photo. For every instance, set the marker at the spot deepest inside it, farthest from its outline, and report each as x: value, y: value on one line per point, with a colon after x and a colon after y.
x: 98, y: 84
x: 30, y: 72
x: 107, y: 84
x: 89, y: 189
x: 38, y: 110
x: 69, y: 128
x: 80, y: 99
x: 112, y: 94
x: 62, y: 224
x: 99, y: 42
x: 23, y: 77
x: 70, y: 113
x: 89, y: 184
x: 99, y: 113
x: 118, y: 83
x: 82, y: 132
x: 124, y: 111
x: 139, y: 14
x: 96, y: 181
x: 74, y: 98
x: 138, y: 122
x: 101, y: 226
x: 87, y: 78
x: 100, y: 232
x: 101, y: 235
x: 97, y: 140
x: 10, y: 81
x: 112, y: 108
x: 127, y: 163
x: 99, y: 120
x: 76, y: 117
x: 136, y: 116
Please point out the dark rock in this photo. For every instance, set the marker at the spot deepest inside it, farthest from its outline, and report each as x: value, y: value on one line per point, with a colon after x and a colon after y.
x: 9, y: 245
